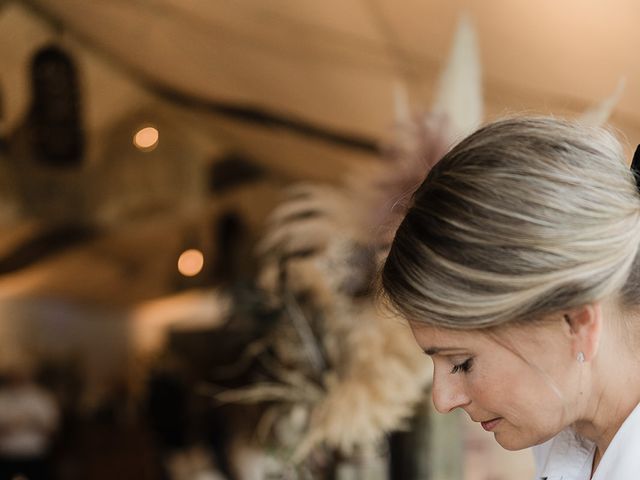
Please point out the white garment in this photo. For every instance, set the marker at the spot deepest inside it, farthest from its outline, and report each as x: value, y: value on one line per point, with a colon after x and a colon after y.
x: 567, y: 456
x: 28, y: 416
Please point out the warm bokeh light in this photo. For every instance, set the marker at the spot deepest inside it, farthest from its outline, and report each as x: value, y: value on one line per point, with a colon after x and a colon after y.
x: 146, y: 139
x: 190, y: 262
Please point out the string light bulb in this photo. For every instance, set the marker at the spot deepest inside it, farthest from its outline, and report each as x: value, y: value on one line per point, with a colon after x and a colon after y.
x: 146, y: 139
x: 190, y: 262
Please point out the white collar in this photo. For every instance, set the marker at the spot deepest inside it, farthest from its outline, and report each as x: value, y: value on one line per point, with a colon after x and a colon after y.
x: 621, y: 460
x: 568, y: 456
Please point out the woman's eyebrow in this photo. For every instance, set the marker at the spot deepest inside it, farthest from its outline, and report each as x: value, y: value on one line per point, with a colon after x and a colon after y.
x: 435, y: 350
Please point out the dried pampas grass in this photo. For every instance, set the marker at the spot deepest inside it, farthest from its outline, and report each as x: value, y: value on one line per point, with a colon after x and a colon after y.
x: 379, y: 376
x: 352, y: 366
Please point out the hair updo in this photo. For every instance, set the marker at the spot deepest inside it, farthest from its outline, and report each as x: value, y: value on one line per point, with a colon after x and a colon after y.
x: 523, y: 218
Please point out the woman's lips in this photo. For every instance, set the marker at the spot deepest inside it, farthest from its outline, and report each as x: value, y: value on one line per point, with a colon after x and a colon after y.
x: 491, y: 424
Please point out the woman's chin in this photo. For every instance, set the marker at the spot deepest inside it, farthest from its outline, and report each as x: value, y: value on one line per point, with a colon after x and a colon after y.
x: 511, y: 443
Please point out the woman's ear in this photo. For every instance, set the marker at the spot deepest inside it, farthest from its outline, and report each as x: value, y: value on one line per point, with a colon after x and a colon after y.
x: 584, y: 329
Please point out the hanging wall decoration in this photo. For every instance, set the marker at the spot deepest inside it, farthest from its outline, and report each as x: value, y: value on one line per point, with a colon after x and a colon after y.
x: 55, y: 122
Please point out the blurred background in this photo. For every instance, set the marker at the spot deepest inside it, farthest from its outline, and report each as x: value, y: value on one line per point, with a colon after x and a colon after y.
x: 195, y: 197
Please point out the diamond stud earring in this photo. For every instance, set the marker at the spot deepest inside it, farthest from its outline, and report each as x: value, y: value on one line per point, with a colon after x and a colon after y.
x: 580, y: 357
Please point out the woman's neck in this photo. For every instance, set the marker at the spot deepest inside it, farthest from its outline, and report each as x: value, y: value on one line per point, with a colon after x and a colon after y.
x: 609, y: 403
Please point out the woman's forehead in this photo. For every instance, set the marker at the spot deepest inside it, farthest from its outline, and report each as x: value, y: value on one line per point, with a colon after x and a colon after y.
x: 437, y: 339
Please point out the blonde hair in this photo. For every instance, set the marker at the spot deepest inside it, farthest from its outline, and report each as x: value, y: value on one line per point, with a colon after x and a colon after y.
x: 525, y: 217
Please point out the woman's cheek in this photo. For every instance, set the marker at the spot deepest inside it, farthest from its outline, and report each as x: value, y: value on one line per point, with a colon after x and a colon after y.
x: 487, y: 388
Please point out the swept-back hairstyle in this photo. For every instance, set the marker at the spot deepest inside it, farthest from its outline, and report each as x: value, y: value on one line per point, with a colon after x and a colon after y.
x: 525, y: 217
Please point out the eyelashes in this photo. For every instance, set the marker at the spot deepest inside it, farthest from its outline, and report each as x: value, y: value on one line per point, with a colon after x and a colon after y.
x: 464, y: 367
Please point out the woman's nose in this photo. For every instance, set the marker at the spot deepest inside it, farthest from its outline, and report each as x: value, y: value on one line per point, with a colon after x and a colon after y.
x: 448, y: 392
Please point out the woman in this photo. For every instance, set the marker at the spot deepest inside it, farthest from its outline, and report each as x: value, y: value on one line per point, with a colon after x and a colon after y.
x: 517, y: 268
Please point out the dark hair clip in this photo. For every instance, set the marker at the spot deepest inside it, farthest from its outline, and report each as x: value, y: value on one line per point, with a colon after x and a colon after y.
x: 635, y: 166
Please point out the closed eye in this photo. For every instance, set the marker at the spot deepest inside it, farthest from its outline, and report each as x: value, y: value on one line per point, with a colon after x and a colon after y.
x: 464, y: 367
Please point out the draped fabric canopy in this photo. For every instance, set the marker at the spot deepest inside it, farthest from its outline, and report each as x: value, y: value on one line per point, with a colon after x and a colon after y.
x: 333, y: 63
